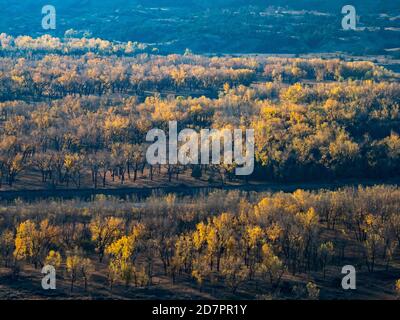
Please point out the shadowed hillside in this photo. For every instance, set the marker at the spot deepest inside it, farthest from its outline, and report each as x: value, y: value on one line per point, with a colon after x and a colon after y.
x: 222, y: 26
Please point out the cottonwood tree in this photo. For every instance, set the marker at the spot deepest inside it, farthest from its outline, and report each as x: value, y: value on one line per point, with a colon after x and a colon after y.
x: 122, y: 256
x: 86, y: 271
x: 104, y: 231
x: 234, y: 272
x: 32, y: 241
x: 73, y: 265
x: 271, y: 266
x: 54, y: 259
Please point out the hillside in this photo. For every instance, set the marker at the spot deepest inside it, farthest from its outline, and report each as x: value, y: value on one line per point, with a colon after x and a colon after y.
x: 234, y: 26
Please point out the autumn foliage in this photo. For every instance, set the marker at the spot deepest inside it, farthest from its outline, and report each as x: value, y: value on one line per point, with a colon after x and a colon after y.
x: 248, y: 242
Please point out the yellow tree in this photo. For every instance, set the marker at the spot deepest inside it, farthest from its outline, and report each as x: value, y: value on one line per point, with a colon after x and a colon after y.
x: 271, y: 266
x: 374, y: 240
x: 397, y: 288
x: 32, y: 243
x: 234, y: 271
x: 201, y: 270
x: 104, y: 232
x: 122, y: 255
x: 183, y: 255
x: 53, y: 258
x: 73, y: 266
x: 253, y: 240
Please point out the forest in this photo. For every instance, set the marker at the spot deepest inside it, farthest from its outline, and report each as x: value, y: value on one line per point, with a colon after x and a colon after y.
x: 75, y: 120
x: 74, y: 114
x: 220, y: 245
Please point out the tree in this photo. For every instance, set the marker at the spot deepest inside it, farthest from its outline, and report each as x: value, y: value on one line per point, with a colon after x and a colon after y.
x: 271, y: 266
x: 122, y: 255
x: 312, y: 291
x: 73, y: 164
x: 326, y: 250
x: 32, y: 242
x: 201, y: 270
x: 73, y: 266
x: 6, y: 246
x: 53, y: 259
x: 136, y: 158
x: 43, y: 162
x: 253, y: 242
x: 373, y: 240
x: 13, y: 157
x: 397, y: 288
x: 72, y: 235
x: 234, y: 272
x: 104, y: 231
x: 86, y: 271
x: 183, y: 254
x: 121, y: 252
